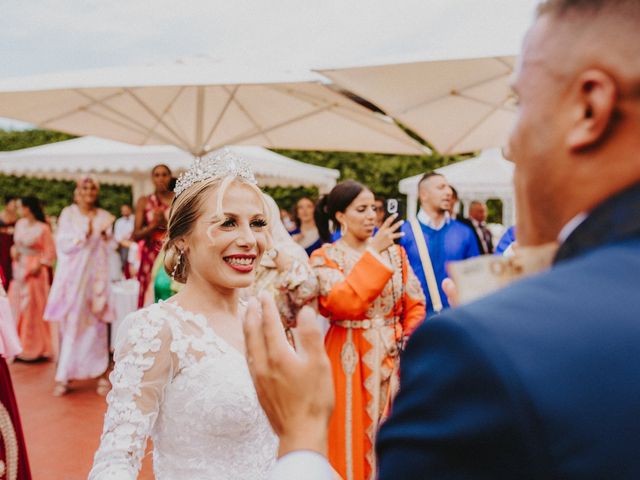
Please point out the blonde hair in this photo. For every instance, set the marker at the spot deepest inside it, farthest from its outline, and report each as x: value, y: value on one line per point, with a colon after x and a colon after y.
x: 185, y: 210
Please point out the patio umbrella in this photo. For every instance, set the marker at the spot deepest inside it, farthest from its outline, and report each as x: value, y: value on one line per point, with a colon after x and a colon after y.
x: 456, y: 105
x: 199, y: 105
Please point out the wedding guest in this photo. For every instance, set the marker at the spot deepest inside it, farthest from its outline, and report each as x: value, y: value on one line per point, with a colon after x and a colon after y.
x: 151, y: 225
x: 506, y: 241
x: 454, y: 205
x: 287, y: 221
x: 122, y: 232
x: 13, y: 454
x: 381, y: 211
x: 373, y: 302
x: 306, y: 233
x: 33, y: 255
x: 8, y: 219
x: 444, y: 239
x: 478, y: 222
x: 79, y: 297
x: 284, y: 271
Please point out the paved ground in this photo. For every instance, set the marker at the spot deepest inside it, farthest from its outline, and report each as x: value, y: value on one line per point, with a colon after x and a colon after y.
x: 62, y: 433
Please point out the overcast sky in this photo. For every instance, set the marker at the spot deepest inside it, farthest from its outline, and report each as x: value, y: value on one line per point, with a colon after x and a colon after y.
x: 39, y: 36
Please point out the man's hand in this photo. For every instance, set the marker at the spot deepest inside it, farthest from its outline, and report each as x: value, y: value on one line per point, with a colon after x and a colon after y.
x: 451, y: 291
x: 295, y: 389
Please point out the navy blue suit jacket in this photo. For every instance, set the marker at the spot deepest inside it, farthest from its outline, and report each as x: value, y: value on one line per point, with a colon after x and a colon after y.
x: 538, y: 381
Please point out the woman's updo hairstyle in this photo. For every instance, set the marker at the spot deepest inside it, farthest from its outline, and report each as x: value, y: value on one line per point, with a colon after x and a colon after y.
x: 185, y: 210
x: 337, y: 200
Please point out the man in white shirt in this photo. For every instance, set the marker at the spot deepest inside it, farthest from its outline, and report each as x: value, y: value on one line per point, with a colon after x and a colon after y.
x: 122, y: 230
x: 538, y: 380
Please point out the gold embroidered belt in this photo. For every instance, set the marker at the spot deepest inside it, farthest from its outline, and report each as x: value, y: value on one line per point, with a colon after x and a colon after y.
x: 364, y: 324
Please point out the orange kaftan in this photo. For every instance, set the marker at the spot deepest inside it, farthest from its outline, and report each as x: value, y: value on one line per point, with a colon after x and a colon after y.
x: 372, y: 301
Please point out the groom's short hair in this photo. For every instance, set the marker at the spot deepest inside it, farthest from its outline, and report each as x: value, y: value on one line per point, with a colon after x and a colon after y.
x: 629, y: 9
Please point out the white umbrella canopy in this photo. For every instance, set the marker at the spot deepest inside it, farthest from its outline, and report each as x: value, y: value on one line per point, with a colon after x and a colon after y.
x: 486, y: 176
x: 199, y: 105
x: 456, y: 105
x: 125, y: 164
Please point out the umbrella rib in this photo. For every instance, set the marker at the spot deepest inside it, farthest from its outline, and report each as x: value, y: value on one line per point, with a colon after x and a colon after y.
x: 76, y: 110
x: 144, y: 129
x: 455, y: 91
x: 353, y: 108
x: 251, y: 119
x: 251, y: 133
x: 166, y: 111
x: 376, y: 126
x: 305, y: 97
x: 502, y: 106
x: 183, y: 142
x: 200, y: 95
x: 470, y: 130
x: 220, y: 117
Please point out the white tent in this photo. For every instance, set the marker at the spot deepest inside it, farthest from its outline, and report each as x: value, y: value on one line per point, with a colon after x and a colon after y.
x: 481, y: 178
x: 125, y: 164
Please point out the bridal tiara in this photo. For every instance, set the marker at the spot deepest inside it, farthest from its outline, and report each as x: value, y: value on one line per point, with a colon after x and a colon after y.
x: 219, y: 164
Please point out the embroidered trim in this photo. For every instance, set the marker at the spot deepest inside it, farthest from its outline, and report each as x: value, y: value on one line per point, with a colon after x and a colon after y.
x: 10, y: 444
x: 349, y: 358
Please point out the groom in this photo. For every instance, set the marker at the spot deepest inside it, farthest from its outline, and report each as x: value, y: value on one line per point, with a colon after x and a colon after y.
x: 541, y: 379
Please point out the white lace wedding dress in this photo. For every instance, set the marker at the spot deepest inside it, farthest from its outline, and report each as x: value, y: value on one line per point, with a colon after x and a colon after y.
x: 179, y: 383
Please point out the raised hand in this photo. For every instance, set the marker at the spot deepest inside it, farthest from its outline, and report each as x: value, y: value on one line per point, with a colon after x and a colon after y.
x: 295, y: 388
x: 387, y: 234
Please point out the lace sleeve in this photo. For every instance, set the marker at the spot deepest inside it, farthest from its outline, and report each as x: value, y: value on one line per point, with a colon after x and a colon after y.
x: 143, y: 366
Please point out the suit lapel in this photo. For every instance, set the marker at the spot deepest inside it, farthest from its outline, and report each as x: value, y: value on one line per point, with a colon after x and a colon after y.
x: 616, y: 219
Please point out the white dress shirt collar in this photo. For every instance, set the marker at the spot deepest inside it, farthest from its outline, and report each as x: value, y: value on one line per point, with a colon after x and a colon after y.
x: 570, y: 226
x: 425, y: 219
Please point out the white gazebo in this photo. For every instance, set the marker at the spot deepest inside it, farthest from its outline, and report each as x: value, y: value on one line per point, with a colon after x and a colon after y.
x: 124, y: 164
x: 481, y: 178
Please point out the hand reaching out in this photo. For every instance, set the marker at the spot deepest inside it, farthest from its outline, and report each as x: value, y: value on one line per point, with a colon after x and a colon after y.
x: 295, y: 388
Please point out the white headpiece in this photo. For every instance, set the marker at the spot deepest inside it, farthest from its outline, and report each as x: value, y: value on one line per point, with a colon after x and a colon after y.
x: 219, y: 164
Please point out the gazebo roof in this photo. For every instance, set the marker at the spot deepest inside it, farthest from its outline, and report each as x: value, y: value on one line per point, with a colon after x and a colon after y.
x: 488, y: 174
x: 120, y: 162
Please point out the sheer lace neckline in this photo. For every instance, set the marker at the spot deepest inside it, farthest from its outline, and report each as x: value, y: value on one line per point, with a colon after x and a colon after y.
x: 202, y: 322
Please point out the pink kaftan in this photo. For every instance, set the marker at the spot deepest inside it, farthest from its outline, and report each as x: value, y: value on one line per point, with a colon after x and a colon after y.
x: 79, y: 298
x: 28, y: 292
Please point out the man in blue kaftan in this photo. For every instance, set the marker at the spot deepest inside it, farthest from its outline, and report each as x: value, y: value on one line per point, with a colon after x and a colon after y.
x: 446, y: 239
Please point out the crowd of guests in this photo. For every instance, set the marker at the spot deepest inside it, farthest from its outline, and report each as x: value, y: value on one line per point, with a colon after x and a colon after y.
x: 370, y: 275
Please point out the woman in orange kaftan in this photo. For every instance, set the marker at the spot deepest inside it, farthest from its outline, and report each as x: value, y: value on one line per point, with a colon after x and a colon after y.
x: 373, y: 302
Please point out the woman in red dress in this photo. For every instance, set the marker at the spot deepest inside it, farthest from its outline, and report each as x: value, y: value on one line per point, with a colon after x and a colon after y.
x: 151, y: 225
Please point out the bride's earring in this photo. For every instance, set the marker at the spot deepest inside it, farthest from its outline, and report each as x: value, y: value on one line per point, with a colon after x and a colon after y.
x: 177, y: 265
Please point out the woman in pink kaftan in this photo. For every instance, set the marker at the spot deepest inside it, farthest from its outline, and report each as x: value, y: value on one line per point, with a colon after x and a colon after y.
x: 79, y: 298
x: 33, y: 253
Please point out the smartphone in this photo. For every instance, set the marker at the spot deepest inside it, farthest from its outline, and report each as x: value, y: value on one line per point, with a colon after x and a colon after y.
x: 393, y: 206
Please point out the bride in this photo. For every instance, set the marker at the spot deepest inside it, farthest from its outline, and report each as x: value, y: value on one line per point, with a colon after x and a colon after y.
x: 180, y: 374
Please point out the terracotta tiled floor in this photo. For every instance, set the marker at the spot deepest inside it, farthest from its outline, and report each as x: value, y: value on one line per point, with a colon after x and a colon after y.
x: 62, y: 433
